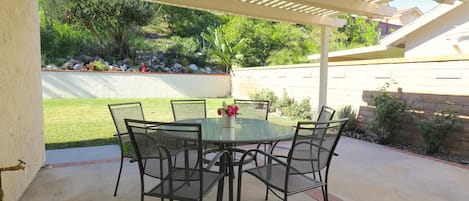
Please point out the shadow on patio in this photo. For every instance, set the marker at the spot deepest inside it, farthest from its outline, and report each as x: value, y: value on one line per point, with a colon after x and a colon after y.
x: 362, y: 172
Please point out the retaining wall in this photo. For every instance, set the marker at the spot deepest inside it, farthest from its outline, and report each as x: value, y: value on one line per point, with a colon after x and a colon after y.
x: 132, y: 85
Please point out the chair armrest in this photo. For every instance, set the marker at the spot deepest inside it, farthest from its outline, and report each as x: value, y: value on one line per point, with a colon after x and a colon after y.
x: 315, y: 145
x: 255, y: 151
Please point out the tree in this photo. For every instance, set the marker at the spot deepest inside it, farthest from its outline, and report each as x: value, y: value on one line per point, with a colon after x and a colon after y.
x: 270, y: 43
x: 359, y: 32
x: 221, y: 49
x: 186, y: 22
x: 112, y: 22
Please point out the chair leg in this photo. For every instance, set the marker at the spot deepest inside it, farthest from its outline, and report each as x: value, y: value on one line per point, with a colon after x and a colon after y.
x: 118, y: 176
x: 239, y: 187
x: 141, y: 188
x: 325, y: 194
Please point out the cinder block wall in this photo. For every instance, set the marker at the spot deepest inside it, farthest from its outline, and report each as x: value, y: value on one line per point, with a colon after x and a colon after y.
x: 348, y: 80
x: 426, y: 83
x: 21, y: 119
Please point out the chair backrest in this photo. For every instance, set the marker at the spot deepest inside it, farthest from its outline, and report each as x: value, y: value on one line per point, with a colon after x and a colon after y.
x: 162, y: 152
x: 313, y: 153
x: 120, y: 111
x: 189, y: 109
x: 253, y: 109
x: 326, y: 113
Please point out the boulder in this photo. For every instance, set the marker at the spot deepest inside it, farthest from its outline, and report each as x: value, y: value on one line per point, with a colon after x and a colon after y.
x: 193, y: 67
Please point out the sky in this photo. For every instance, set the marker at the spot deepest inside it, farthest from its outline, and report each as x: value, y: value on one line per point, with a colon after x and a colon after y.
x: 423, y: 5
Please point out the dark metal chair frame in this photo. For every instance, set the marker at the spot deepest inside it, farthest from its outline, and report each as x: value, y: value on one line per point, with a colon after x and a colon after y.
x: 120, y: 124
x: 187, y: 101
x: 324, y: 111
x: 173, y: 178
x: 288, y: 171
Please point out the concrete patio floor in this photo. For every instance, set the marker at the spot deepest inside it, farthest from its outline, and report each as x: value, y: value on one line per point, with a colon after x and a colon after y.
x: 362, y: 172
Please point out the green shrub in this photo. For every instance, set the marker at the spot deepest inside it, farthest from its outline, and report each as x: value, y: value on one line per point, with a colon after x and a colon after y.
x: 284, y: 102
x: 185, y: 51
x: 435, y: 128
x: 62, y: 41
x: 296, y: 110
x: 348, y: 112
x: 303, y: 109
x: 286, y: 105
x: 265, y: 94
x: 99, y: 66
x: 390, y: 112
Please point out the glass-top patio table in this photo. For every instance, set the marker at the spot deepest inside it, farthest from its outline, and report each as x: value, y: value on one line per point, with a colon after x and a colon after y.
x: 245, y: 131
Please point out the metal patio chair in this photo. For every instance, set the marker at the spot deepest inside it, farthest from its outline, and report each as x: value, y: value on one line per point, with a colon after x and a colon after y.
x: 119, y: 112
x: 189, y: 109
x: 253, y: 109
x: 172, y: 154
x: 289, y: 174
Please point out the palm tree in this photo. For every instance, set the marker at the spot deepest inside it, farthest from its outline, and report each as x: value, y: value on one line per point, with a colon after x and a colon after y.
x: 220, y: 48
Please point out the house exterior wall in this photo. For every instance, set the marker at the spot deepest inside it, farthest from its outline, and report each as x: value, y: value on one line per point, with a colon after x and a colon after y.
x: 21, y: 123
x: 441, y: 39
x: 426, y: 84
x: 133, y: 85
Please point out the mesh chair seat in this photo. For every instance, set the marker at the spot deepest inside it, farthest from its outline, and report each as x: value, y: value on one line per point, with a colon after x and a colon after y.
x: 187, y: 188
x: 274, y: 176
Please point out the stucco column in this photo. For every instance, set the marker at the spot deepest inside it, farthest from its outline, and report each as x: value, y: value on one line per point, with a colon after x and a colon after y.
x: 21, y: 119
x: 325, y: 31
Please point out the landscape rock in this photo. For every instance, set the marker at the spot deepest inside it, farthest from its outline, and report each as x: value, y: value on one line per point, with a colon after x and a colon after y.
x: 193, y: 67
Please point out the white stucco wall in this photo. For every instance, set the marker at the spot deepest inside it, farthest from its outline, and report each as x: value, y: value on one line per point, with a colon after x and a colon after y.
x: 438, y: 37
x: 132, y: 85
x: 347, y: 82
x: 21, y: 123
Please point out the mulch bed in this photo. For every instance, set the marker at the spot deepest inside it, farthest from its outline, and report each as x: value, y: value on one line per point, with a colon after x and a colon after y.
x: 442, y: 155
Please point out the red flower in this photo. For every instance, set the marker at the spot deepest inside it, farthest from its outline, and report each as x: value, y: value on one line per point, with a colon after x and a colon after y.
x: 230, y: 110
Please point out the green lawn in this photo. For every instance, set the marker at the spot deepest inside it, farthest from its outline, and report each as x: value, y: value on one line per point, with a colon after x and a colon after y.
x: 87, y: 122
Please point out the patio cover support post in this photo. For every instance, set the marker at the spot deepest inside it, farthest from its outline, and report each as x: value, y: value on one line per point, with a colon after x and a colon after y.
x: 325, y: 31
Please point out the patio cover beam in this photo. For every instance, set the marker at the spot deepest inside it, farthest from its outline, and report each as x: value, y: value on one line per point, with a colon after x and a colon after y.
x: 253, y: 10
x: 359, y: 7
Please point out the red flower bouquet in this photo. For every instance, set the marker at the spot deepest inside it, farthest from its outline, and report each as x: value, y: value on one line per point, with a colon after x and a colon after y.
x: 230, y: 110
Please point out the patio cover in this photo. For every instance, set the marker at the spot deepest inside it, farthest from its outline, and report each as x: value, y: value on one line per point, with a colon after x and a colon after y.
x: 309, y: 12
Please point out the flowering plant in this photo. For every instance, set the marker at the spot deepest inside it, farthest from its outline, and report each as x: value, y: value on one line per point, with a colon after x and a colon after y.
x: 230, y: 110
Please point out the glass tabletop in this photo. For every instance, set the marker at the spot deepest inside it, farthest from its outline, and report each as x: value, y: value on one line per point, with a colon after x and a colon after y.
x: 244, y: 131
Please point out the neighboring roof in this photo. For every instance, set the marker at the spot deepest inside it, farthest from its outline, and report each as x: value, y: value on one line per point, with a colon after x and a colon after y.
x: 406, y: 11
x: 312, y: 12
x: 391, y: 46
x: 397, y: 38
